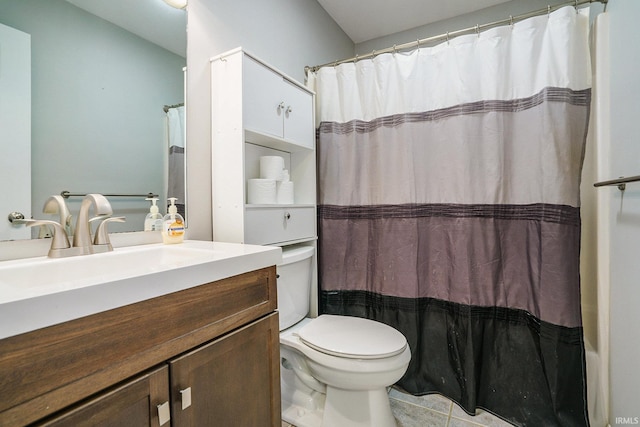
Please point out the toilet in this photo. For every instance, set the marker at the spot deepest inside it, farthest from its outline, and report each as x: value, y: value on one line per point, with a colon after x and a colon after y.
x: 335, y: 370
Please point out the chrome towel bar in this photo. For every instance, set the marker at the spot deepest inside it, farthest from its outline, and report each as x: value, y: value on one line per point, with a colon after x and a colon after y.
x: 620, y: 182
x: 66, y: 194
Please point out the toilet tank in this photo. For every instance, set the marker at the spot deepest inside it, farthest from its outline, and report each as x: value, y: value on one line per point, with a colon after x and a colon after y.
x: 294, y: 284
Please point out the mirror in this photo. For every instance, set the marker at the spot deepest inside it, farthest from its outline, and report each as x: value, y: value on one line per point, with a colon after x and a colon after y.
x: 102, y: 72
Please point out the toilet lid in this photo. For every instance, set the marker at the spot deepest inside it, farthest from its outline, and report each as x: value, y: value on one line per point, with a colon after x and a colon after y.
x: 352, y: 337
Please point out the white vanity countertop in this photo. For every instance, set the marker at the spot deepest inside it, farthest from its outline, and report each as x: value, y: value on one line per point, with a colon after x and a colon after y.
x: 40, y: 292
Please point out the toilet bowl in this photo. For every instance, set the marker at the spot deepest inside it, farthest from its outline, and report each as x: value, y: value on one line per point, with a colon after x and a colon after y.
x: 335, y: 370
x: 344, y: 384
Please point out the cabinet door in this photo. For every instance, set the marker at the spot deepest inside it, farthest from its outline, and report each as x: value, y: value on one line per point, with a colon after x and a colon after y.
x: 133, y: 404
x: 298, y: 115
x: 262, y: 98
x: 233, y: 381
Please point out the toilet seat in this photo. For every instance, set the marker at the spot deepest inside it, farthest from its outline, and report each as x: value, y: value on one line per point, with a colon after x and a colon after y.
x: 352, y: 337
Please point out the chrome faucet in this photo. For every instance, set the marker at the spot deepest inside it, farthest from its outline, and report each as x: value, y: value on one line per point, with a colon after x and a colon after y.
x: 82, y: 242
x: 57, y: 205
x: 60, y: 239
x: 82, y: 236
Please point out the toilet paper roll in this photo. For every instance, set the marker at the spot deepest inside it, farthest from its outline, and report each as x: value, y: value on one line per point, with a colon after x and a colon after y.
x: 261, y: 191
x: 285, y: 192
x: 271, y: 167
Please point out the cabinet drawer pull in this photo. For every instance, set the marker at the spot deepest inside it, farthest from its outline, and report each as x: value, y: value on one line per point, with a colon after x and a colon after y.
x: 164, y: 415
x: 186, y: 397
x: 287, y: 215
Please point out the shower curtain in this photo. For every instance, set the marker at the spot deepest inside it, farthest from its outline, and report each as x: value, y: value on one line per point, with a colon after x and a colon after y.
x: 449, y: 209
x: 176, y: 176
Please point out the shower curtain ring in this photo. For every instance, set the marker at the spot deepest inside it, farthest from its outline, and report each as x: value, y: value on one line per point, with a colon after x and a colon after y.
x: 548, y: 10
x: 511, y: 20
x: 478, y: 30
x: 447, y: 37
x: 394, y: 49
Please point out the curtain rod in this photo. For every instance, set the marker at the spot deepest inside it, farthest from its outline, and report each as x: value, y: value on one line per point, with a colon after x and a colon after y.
x: 166, y: 108
x: 449, y: 35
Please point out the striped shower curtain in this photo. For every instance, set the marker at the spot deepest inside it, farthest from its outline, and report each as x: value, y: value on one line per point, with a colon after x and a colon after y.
x: 449, y: 209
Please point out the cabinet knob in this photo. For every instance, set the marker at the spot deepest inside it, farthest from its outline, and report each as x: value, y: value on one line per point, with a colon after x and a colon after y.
x: 164, y: 415
x: 281, y: 106
x: 287, y: 215
x: 289, y: 109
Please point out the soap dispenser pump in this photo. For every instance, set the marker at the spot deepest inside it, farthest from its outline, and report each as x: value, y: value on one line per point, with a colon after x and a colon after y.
x: 153, y: 220
x: 172, y: 224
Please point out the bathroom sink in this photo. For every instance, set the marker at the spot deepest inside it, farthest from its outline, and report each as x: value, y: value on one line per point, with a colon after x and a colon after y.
x: 36, y: 276
x: 39, y: 292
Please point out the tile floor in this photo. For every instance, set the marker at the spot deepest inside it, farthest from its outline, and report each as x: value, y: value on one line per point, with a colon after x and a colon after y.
x: 434, y: 411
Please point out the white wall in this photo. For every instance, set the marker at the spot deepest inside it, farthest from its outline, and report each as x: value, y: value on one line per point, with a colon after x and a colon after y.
x: 625, y: 211
x: 288, y: 34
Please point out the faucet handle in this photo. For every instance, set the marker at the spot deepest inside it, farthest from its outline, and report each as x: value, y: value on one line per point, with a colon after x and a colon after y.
x: 98, y: 218
x: 102, y: 235
x: 59, y: 240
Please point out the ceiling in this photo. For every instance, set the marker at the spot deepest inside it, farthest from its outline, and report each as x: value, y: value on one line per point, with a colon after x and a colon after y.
x: 361, y: 20
x: 364, y: 20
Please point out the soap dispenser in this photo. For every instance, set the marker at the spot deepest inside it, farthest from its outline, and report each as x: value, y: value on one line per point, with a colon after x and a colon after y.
x: 153, y: 220
x: 172, y: 225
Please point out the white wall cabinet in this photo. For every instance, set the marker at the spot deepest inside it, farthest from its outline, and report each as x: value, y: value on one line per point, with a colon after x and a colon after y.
x: 259, y: 111
x: 273, y: 105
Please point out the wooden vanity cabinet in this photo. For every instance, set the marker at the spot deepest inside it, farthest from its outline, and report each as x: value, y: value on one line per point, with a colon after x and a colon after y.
x: 229, y: 382
x: 209, y: 354
x: 133, y: 404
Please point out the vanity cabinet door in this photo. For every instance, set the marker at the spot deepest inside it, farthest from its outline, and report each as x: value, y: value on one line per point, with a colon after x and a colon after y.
x: 233, y: 381
x: 133, y: 404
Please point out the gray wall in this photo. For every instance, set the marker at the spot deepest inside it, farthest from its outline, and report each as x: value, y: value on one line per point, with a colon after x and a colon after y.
x: 625, y: 212
x: 287, y: 34
x: 97, y: 97
x: 483, y: 16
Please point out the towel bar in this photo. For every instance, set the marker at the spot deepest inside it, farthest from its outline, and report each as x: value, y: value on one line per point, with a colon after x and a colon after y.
x: 66, y: 194
x: 620, y: 182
